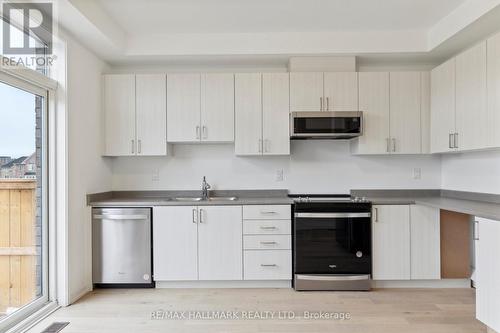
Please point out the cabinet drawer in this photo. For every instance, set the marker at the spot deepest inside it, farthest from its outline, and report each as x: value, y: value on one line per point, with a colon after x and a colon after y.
x: 268, y: 265
x: 267, y: 227
x: 266, y: 212
x: 267, y: 242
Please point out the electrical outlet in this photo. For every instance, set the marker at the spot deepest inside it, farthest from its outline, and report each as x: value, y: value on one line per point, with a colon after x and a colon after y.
x: 155, y: 175
x: 417, y: 173
x: 279, y: 175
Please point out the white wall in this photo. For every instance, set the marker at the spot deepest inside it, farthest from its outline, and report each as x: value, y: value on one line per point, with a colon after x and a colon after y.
x: 474, y: 172
x: 88, y: 172
x: 314, y: 166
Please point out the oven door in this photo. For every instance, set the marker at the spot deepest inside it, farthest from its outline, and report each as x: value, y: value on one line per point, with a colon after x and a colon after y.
x: 329, y: 125
x: 332, y: 243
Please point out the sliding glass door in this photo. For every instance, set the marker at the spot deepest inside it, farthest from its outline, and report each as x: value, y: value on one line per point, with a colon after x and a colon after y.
x: 23, y: 200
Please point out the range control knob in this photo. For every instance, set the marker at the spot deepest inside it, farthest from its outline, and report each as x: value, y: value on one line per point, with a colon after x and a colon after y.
x: 359, y: 254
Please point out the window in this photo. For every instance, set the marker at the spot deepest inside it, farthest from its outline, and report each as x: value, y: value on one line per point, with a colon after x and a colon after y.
x: 23, y: 200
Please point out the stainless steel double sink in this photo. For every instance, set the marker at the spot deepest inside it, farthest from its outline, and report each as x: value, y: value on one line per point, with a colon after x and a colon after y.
x: 198, y: 199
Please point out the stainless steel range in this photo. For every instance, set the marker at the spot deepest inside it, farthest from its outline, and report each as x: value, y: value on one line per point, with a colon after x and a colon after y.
x: 332, y: 242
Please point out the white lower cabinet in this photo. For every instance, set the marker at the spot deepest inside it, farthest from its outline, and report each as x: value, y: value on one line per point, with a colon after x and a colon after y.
x: 487, y: 235
x: 406, y: 242
x: 197, y: 243
x: 268, y: 265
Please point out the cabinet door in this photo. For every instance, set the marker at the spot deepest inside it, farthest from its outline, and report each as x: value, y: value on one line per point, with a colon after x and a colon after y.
x: 488, y: 273
x: 248, y: 114
x: 374, y: 102
x: 175, y: 248
x: 275, y: 113
x: 471, y: 107
x: 341, y: 91
x: 442, y: 107
x: 183, y: 108
x: 391, y: 242
x: 425, y: 243
x: 405, y: 99
x: 217, y: 107
x: 151, y: 114
x: 220, y: 248
x: 119, y: 115
x: 494, y: 90
x: 306, y: 92
x: 425, y: 111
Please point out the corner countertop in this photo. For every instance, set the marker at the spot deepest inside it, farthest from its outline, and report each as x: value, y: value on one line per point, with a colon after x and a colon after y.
x: 476, y: 204
x: 164, y: 198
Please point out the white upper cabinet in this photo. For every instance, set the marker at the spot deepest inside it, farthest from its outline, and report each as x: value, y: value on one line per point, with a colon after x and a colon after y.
x: 405, y: 105
x: 493, y: 122
x: 135, y: 115
x: 425, y: 112
x: 275, y: 113
x: 471, y: 99
x: 262, y: 111
x: 151, y: 114
x: 119, y: 115
x: 248, y: 114
x: 374, y: 103
x: 183, y: 107
x: 443, y: 107
x: 341, y: 91
x: 217, y: 107
x: 306, y: 91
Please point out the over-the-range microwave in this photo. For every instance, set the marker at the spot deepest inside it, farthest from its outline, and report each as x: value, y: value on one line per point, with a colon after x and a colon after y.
x: 326, y: 125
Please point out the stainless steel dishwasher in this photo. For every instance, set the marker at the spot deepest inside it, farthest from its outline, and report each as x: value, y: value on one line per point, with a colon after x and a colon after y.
x: 121, y: 247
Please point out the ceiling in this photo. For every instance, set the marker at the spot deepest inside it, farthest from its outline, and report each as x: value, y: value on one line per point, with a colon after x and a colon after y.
x: 267, y: 32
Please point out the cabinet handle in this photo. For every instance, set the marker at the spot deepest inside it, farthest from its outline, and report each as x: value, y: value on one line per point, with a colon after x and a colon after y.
x: 393, y: 145
x: 260, y: 145
x: 321, y: 103
x: 139, y: 146
x: 268, y: 265
x: 268, y: 228
x: 201, y: 215
x: 266, y: 212
x: 455, y: 136
x: 195, y: 216
x: 205, y: 132
x: 450, y: 141
x: 266, y: 145
x: 197, y: 132
x: 133, y: 146
x: 476, y: 230
x: 328, y: 104
x: 388, y: 145
x: 268, y: 243
x: 375, y: 211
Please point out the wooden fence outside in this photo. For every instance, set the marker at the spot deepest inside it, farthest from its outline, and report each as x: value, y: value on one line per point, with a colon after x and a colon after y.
x: 18, y: 255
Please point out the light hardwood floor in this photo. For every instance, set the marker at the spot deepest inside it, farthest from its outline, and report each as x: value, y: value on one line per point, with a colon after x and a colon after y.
x: 383, y: 310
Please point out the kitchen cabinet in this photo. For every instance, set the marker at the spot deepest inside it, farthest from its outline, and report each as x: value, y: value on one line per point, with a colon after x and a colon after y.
x: 406, y: 242
x: 471, y: 99
x: 197, y: 243
x: 175, y: 243
x: 135, y: 115
x: 392, y: 105
x: 391, y: 242
x: 200, y: 107
x: 443, y: 107
x: 425, y: 243
x: 487, y: 235
x: 329, y: 91
x: 220, y: 243
x: 261, y: 114
x: 494, y: 90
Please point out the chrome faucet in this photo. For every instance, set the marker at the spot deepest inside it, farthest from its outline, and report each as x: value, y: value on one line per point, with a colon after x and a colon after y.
x: 204, y: 189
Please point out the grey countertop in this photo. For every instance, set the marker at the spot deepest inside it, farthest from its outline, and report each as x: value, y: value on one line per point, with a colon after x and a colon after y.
x: 164, y: 198
x: 477, y: 204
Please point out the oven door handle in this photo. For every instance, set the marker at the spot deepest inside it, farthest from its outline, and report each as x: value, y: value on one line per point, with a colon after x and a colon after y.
x: 333, y: 277
x: 333, y: 215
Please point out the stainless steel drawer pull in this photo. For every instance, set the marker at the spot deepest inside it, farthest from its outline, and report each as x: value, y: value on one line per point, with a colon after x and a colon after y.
x: 268, y: 212
x: 268, y: 228
x: 120, y: 217
x: 195, y: 216
x: 450, y: 141
x: 268, y: 243
x: 268, y: 265
x: 476, y: 230
x: 375, y: 210
x: 333, y: 215
x: 455, y: 140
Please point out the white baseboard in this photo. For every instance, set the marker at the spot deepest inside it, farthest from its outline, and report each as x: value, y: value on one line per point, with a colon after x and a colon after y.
x: 225, y: 284
x: 443, y: 283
